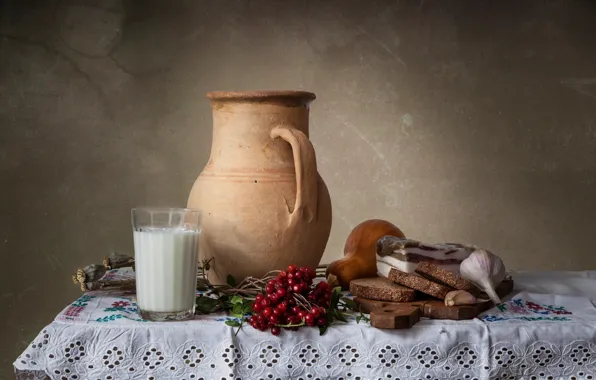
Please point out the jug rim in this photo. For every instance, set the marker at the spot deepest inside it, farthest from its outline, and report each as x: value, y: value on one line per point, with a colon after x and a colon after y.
x: 287, y: 98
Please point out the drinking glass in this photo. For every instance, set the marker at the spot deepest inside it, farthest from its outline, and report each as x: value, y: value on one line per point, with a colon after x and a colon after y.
x: 166, y: 242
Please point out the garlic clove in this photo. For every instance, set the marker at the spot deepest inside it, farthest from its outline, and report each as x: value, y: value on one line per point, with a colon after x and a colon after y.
x: 459, y: 297
x: 485, y: 270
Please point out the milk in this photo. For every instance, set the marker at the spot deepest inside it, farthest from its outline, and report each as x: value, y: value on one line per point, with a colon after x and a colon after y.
x: 166, y: 269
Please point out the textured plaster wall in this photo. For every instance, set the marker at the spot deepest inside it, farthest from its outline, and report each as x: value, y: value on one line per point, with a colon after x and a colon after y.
x: 469, y: 121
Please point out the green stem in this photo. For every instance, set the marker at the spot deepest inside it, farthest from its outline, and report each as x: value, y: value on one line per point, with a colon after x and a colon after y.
x: 292, y: 325
x: 239, y: 327
x: 204, y: 271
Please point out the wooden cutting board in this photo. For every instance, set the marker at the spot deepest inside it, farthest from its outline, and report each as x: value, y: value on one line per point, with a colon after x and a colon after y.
x: 436, y: 309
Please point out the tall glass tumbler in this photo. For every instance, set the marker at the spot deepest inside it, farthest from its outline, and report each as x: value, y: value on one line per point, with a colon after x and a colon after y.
x: 166, y: 242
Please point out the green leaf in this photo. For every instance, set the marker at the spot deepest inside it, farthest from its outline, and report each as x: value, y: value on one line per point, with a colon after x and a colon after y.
x: 224, y: 298
x: 237, y: 310
x: 323, y: 330
x: 335, y: 296
x: 330, y: 317
x: 233, y: 323
x: 351, y: 304
x: 362, y: 317
x: 207, y: 305
x: 236, y: 300
x: 246, y: 307
x: 339, y: 315
x: 231, y: 280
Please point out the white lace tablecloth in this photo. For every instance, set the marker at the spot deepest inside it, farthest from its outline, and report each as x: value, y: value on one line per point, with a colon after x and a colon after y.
x: 545, y: 330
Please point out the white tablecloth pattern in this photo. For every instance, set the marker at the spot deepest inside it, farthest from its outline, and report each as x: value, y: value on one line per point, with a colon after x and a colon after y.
x: 545, y: 330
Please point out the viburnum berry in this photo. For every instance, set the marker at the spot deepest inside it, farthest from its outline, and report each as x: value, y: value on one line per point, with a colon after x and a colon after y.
x: 273, y: 298
x: 283, y: 306
x: 315, y: 312
x: 303, y: 287
x: 302, y: 314
x: 267, y: 312
x: 309, y: 319
x: 279, y: 303
x: 294, y: 319
x: 322, y: 321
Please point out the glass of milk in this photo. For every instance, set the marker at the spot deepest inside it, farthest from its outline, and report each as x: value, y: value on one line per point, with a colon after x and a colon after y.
x: 166, y: 242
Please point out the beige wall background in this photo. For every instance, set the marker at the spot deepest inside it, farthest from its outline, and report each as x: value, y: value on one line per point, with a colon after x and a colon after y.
x: 468, y: 121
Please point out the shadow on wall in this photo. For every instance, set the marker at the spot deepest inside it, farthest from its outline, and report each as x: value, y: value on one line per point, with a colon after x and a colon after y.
x: 478, y: 141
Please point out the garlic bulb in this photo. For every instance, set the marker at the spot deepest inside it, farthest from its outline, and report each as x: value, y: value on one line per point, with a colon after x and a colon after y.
x: 485, y: 270
x: 459, y: 297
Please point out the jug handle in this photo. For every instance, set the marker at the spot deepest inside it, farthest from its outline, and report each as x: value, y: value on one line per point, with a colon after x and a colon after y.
x: 305, y: 163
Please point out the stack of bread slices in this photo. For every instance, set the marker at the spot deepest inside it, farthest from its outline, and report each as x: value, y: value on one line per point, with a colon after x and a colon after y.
x: 401, y: 299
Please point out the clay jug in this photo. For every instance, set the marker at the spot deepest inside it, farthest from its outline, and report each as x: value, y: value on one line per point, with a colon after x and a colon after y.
x: 264, y: 204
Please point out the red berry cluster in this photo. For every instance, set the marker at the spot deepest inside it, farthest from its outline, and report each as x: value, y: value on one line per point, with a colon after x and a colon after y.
x: 278, y: 306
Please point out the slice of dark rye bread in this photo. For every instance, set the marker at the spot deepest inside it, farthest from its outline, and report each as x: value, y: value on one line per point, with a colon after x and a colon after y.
x: 444, y: 277
x: 419, y: 283
x: 381, y: 289
x: 436, y: 309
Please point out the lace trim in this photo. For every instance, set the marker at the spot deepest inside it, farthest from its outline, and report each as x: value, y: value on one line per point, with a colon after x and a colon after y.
x: 66, y: 355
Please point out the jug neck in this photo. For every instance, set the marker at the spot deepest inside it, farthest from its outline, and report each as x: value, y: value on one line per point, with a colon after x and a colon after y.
x: 242, y: 124
x: 282, y: 98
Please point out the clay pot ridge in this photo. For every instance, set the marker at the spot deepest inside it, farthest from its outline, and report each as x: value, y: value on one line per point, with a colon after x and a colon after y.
x: 283, y: 98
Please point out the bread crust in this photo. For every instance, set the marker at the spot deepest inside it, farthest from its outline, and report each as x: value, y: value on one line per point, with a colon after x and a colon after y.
x: 419, y: 283
x: 381, y: 289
